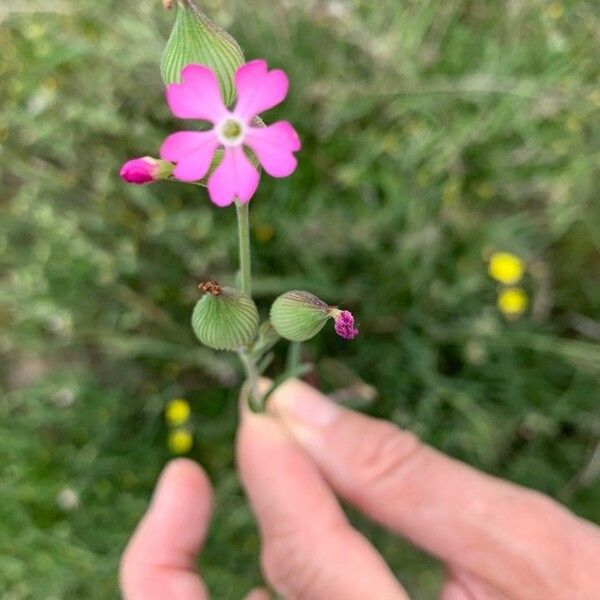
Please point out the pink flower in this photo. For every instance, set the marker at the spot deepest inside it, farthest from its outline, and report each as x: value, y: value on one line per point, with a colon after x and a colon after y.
x: 145, y: 170
x: 344, y: 325
x: 199, y: 97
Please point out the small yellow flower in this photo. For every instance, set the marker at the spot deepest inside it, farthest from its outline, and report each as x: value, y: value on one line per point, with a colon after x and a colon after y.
x: 512, y: 302
x: 451, y: 191
x: 573, y: 124
x: 593, y: 97
x: 264, y: 232
x: 180, y: 441
x: 506, y: 268
x: 178, y: 412
x: 484, y: 190
x: 555, y: 10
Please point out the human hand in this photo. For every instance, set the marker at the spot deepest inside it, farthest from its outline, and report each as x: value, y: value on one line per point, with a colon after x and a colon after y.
x: 160, y: 560
x: 496, y: 539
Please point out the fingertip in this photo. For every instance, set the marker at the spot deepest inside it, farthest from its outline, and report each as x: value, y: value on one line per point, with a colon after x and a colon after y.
x: 290, y: 389
x: 257, y: 435
x: 258, y: 594
x: 184, y: 471
x: 176, y: 522
x: 183, y: 483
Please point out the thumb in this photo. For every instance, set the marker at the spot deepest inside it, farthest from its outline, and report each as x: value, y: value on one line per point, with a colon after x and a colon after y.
x: 160, y: 559
x: 508, y: 535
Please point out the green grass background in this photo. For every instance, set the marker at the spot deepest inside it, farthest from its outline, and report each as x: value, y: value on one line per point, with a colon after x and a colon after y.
x: 434, y: 133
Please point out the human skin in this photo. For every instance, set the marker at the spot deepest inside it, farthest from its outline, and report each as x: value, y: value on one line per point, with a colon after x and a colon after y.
x: 497, y: 540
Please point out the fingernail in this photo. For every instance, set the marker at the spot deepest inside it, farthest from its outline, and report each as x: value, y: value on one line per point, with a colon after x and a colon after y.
x: 298, y: 402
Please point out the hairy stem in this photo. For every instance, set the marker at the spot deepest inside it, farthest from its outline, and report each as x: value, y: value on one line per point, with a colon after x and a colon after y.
x: 254, y: 400
x: 243, y: 219
x: 248, y: 361
x: 294, y: 356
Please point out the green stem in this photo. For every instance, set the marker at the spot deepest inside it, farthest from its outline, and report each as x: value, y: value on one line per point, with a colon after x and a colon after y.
x: 294, y: 356
x: 243, y: 219
x: 248, y: 362
x: 252, y: 379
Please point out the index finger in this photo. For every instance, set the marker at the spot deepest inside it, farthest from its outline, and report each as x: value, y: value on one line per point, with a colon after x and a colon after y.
x: 309, y: 548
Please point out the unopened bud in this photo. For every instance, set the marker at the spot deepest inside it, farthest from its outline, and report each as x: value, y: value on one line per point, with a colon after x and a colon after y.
x: 146, y: 170
x: 195, y: 39
x: 224, y: 318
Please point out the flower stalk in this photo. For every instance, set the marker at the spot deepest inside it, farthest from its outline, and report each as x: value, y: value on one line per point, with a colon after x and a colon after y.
x: 245, y: 275
x: 243, y: 222
x: 208, y: 80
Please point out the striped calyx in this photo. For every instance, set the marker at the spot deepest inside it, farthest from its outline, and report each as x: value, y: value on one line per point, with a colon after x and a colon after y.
x: 224, y: 318
x: 299, y: 316
x: 195, y: 39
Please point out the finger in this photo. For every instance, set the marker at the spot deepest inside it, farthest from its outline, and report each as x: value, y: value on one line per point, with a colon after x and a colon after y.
x: 258, y: 594
x: 515, y: 538
x: 452, y: 590
x: 462, y: 585
x: 309, y: 549
x: 160, y: 559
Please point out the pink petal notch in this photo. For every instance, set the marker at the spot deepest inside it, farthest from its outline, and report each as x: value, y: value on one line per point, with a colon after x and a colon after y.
x: 274, y: 147
x: 234, y: 178
x: 258, y: 88
x: 193, y: 152
x: 197, y: 96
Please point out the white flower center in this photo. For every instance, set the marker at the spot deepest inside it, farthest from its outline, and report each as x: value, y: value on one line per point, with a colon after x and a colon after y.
x: 231, y: 131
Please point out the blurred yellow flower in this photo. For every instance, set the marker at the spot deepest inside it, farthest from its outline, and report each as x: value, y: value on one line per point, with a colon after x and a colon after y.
x: 512, y: 302
x: 573, y: 124
x: 506, y: 268
x: 264, y: 232
x: 555, y: 10
x: 180, y: 441
x: 178, y: 412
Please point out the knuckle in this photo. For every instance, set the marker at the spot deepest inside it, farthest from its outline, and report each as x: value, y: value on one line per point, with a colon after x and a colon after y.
x: 381, y: 458
x: 289, y: 562
x: 285, y: 567
x: 546, y: 524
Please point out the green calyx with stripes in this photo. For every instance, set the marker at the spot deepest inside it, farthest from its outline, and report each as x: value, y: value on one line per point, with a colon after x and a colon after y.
x: 299, y: 316
x: 225, y: 318
x: 195, y: 39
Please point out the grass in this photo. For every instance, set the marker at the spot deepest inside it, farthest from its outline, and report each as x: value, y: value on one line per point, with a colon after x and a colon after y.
x: 434, y: 133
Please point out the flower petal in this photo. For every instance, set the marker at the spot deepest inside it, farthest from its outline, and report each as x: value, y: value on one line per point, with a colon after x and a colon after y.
x: 258, y: 89
x: 192, y: 151
x: 234, y: 178
x: 274, y: 147
x: 197, y: 96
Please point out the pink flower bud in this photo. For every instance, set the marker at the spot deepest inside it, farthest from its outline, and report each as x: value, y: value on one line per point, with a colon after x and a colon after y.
x: 146, y: 170
x: 344, y: 324
x: 139, y: 170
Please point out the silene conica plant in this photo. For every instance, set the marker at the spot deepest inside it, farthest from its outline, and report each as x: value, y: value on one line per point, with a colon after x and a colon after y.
x: 208, y: 80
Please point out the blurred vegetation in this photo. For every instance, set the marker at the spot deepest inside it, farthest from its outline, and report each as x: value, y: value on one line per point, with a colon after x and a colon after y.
x: 434, y: 134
